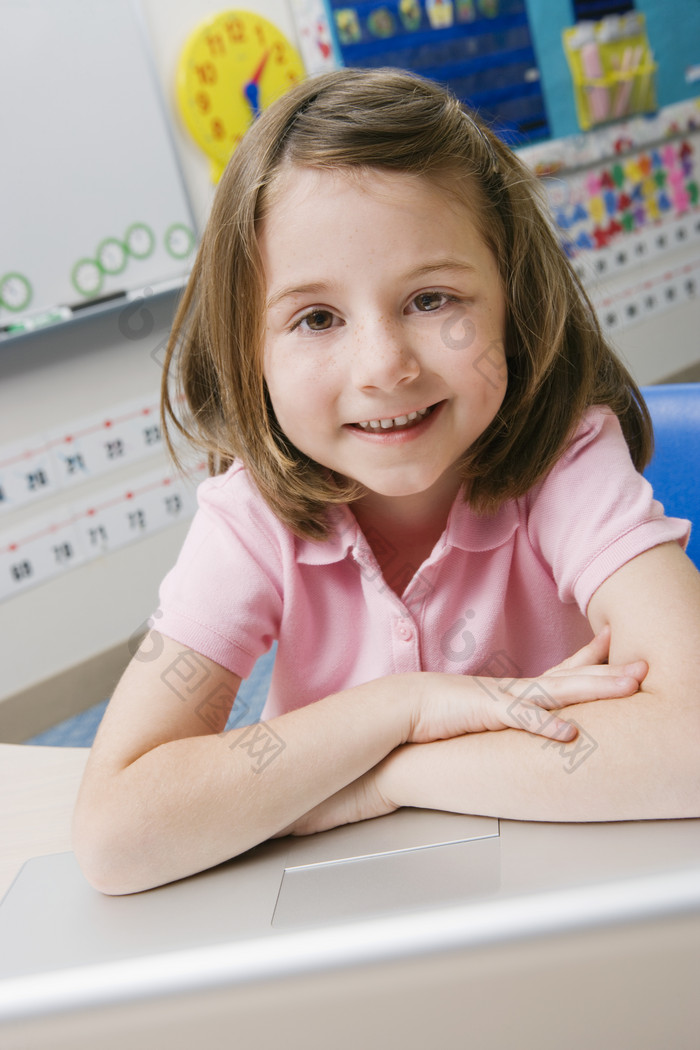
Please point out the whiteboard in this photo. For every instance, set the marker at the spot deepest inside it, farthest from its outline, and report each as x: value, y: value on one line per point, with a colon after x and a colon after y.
x: 94, y: 208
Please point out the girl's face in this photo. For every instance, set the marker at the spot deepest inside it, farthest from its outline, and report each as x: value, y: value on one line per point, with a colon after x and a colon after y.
x: 384, y: 346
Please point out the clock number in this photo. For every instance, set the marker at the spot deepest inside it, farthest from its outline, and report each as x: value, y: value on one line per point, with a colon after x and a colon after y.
x: 236, y: 30
x: 260, y: 33
x: 216, y: 44
x: 203, y: 101
x: 206, y: 73
x: 278, y: 51
x: 217, y: 129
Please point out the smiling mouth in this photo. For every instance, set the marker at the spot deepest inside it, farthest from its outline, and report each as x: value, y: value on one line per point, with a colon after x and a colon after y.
x: 381, y: 426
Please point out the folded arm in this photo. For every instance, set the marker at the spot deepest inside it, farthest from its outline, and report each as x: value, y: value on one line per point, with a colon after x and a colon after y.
x: 168, y: 792
x: 634, y: 758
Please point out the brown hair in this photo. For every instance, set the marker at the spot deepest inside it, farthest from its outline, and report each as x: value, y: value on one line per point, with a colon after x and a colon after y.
x: 558, y: 360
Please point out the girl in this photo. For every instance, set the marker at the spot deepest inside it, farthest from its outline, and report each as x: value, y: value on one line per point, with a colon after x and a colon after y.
x: 425, y: 489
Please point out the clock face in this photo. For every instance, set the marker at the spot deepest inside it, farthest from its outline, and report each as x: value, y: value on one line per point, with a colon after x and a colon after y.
x: 232, y: 67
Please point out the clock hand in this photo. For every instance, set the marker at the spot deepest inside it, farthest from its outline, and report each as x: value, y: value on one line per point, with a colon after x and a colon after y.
x: 251, y: 89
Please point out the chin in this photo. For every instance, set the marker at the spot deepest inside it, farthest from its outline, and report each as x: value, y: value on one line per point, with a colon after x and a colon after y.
x: 398, y: 490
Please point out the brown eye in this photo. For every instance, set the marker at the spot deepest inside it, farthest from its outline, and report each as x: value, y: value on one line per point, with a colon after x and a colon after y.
x: 429, y: 300
x: 318, y: 320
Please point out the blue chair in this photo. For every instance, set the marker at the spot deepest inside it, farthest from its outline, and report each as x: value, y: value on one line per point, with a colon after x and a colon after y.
x: 674, y: 472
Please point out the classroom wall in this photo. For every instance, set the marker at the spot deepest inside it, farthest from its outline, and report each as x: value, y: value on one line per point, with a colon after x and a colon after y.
x: 65, y: 642
x: 673, y: 27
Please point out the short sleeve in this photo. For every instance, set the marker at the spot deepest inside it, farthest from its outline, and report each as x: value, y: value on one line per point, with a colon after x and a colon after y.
x: 223, y: 598
x: 594, y: 511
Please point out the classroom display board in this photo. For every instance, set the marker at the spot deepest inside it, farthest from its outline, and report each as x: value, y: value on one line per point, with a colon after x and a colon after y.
x: 626, y: 203
x: 94, y: 206
x: 482, y: 49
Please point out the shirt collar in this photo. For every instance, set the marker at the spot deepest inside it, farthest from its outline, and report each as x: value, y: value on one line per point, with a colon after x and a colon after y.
x: 465, y: 530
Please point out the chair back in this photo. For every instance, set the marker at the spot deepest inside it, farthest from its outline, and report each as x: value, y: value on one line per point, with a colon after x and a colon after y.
x: 674, y: 472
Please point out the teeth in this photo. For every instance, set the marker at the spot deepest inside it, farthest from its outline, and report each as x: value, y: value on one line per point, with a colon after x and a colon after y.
x: 395, y: 421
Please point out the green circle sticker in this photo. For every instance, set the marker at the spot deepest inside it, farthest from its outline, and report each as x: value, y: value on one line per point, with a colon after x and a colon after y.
x: 179, y: 240
x: 140, y: 240
x: 87, y: 277
x: 15, y: 291
x: 112, y: 256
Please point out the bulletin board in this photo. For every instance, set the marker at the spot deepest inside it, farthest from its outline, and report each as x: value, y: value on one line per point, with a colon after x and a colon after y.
x: 94, y: 208
x: 481, y: 49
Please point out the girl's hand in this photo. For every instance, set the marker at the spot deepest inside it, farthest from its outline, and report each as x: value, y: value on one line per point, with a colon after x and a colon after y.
x: 452, y: 705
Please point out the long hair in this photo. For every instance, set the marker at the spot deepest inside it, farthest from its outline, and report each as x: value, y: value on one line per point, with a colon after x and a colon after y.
x: 558, y: 361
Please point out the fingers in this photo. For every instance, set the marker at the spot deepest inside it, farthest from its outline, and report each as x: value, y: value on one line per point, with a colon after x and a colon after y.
x: 636, y: 669
x: 552, y: 693
x: 595, y: 652
x: 524, y: 714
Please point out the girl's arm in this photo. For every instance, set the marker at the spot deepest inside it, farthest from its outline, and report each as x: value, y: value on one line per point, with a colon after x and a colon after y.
x: 168, y: 793
x: 634, y: 758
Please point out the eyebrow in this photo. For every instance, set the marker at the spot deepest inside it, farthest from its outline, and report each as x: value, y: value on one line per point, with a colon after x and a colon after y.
x: 315, y: 288
x: 439, y: 265
x: 320, y: 287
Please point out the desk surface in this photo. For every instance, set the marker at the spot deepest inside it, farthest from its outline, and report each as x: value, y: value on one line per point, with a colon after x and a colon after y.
x: 38, y: 788
x: 551, y: 985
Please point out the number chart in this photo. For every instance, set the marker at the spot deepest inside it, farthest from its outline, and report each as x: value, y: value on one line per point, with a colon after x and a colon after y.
x: 35, y: 549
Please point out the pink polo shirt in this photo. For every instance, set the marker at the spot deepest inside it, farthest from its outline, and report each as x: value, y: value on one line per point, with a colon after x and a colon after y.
x: 503, y: 596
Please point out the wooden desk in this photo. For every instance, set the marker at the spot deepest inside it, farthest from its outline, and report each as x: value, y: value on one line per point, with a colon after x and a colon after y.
x: 38, y: 788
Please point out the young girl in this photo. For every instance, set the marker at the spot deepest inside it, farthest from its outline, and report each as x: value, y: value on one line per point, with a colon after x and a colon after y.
x: 426, y: 492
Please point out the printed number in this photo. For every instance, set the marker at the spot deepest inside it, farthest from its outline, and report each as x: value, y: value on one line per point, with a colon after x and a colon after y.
x: 202, y: 101
x: 75, y: 463
x: 137, y: 519
x: 63, y: 552
x: 206, y: 73
x: 236, y: 30
x: 96, y: 534
x: 151, y: 435
x: 37, y: 479
x: 216, y: 44
x: 21, y: 570
x: 114, y: 449
x: 173, y: 504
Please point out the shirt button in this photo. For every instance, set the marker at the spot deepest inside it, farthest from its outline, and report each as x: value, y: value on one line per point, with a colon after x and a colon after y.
x: 404, y: 630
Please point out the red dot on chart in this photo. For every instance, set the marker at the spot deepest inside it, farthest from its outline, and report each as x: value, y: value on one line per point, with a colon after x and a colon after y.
x: 129, y: 495
x: 12, y: 547
x: 167, y: 481
x: 68, y: 439
x: 146, y: 411
x: 91, y: 512
x: 108, y: 422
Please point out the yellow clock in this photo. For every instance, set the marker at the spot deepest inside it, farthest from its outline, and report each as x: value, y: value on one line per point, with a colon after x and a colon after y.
x: 232, y: 66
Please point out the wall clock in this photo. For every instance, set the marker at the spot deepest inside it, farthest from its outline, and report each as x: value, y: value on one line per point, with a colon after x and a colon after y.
x: 231, y: 68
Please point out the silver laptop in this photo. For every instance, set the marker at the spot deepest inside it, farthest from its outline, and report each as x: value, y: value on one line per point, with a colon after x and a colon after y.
x: 412, y: 882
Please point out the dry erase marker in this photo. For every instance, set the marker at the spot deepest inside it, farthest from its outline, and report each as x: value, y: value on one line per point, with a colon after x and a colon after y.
x: 29, y: 324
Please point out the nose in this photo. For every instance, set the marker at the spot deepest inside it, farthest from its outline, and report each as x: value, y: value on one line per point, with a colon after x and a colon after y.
x: 383, y: 357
